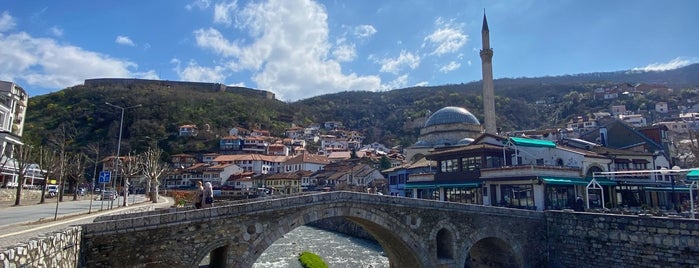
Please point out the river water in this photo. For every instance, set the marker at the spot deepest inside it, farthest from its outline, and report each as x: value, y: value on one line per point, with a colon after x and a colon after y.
x: 337, y: 250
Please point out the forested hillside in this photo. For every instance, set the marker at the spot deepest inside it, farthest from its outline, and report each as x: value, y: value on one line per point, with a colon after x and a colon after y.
x: 390, y: 117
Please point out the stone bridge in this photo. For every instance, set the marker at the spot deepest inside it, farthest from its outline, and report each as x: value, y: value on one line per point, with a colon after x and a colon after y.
x: 412, y: 232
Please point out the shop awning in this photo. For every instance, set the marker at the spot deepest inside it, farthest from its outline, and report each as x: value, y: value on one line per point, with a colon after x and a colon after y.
x: 459, y: 185
x: 532, y: 142
x: 693, y: 175
x: 603, y: 181
x: 564, y: 181
x: 576, y: 181
x: 666, y: 189
x: 420, y: 185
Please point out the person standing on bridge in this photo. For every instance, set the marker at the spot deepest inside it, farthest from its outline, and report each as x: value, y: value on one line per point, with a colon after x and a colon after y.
x: 198, y: 195
x: 208, y: 196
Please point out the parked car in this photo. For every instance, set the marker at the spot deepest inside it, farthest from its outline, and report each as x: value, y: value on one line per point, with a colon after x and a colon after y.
x: 52, y: 190
x: 109, y: 195
x: 82, y: 191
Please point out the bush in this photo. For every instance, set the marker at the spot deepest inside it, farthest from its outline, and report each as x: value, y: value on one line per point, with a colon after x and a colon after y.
x: 311, y: 260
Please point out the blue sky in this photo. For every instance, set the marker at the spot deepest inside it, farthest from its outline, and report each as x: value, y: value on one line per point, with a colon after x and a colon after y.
x: 301, y: 48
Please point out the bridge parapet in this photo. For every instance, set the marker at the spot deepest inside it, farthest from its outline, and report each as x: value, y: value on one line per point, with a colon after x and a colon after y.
x: 158, y: 218
x: 413, y: 232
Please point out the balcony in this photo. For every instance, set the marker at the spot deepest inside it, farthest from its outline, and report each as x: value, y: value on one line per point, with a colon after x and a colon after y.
x: 530, y: 170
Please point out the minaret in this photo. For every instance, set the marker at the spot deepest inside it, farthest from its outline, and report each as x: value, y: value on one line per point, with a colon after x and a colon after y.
x: 488, y: 91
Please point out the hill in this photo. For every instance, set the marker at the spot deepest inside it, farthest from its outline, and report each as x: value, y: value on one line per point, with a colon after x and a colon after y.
x: 390, y: 117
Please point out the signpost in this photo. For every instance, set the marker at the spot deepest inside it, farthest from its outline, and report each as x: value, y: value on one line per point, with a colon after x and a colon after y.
x: 105, y: 177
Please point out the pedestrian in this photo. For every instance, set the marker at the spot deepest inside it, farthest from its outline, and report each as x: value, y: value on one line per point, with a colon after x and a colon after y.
x: 579, y: 204
x: 208, y: 196
x: 198, y: 195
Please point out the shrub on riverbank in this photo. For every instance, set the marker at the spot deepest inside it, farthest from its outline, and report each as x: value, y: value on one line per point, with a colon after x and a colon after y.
x: 311, y: 260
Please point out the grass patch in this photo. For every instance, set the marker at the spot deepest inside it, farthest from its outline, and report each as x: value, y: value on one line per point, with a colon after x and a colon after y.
x: 311, y: 260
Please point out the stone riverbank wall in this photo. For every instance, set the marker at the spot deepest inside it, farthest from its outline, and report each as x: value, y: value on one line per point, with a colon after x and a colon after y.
x: 59, y: 249
x: 603, y: 240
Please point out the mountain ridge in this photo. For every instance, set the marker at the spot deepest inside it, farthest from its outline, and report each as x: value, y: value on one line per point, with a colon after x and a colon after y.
x: 391, y: 117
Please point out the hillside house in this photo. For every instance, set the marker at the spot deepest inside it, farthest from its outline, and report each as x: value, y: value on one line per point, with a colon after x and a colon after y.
x: 231, y: 144
x: 305, y: 161
x: 188, y: 130
x: 257, y: 163
x: 182, y: 161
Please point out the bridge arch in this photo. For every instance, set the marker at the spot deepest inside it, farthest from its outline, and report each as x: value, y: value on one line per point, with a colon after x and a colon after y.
x: 445, y: 235
x: 217, y: 251
x: 487, y: 247
x: 400, y: 244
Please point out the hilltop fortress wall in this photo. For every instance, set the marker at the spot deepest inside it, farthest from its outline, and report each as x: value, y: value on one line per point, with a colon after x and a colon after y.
x: 126, y: 82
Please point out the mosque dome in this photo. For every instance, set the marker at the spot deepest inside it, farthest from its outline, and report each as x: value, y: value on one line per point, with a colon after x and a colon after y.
x: 465, y: 141
x: 451, y: 115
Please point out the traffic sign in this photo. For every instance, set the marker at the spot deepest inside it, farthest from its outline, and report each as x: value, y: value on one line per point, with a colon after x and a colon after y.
x: 105, y: 176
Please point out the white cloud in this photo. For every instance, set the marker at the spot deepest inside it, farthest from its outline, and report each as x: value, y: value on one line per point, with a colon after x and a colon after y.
x: 124, y: 40
x: 447, y: 38
x: 42, y: 62
x: 7, y: 22
x: 214, y: 40
x: 422, y: 84
x: 345, y: 53
x: 56, y: 31
x: 364, y: 31
x: 452, y: 65
x: 196, y: 73
x: 399, y: 82
x: 241, y: 84
x: 671, y: 65
x: 287, y: 50
x: 223, y: 12
x: 201, y: 4
x: 395, y: 65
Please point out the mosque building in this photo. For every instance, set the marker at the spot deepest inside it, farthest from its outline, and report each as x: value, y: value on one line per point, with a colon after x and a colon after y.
x: 456, y: 126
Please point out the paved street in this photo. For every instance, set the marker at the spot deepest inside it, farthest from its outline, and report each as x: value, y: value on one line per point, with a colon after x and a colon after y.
x: 35, y: 212
x: 22, y: 223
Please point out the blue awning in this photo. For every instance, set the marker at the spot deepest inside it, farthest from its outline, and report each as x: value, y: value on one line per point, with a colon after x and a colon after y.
x: 434, y: 185
x: 420, y: 185
x: 532, y: 142
x: 459, y: 185
x: 564, y: 181
x: 693, y: 175
x: 576, y: 181
x: 666, y: 189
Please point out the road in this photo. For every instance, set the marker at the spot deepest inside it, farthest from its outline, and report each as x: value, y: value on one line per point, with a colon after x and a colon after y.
x: 30, y: 213
x: 23, y: 223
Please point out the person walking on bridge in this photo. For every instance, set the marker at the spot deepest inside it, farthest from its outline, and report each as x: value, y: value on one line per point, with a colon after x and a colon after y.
x: 198, y: 195
x: 208, y: 196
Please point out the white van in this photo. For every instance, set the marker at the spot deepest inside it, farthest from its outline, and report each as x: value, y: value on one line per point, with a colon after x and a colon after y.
x: 52, y: 190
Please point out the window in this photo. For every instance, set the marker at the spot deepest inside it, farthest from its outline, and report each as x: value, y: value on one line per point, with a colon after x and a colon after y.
x: 449, y: 165
x: 471, y: 163
x: 517, y: 196
x: 493, y: 162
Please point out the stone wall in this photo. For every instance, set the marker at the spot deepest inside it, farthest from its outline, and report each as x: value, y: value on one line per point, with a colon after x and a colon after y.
x: 605, y: 240
x: 8, y: 195
x: 59, y: 249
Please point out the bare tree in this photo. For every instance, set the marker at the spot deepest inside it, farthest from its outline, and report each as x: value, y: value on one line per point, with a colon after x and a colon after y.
x: 48, y: 162
x: 691, y: 158
x: 59, y: 140
x: 5, y: 157
x: 75, y: 171
x: 128, y: 169
x: 153, y: 168
x: 23, y: 156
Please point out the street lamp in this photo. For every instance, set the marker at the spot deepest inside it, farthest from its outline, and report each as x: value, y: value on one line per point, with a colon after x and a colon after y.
x: 665, y: 171
x: 116, y: 164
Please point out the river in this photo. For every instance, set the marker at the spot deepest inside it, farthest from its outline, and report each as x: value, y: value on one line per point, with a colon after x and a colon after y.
x: 338, y: 250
